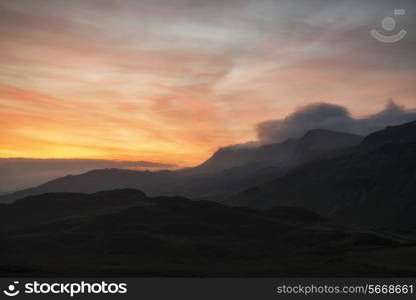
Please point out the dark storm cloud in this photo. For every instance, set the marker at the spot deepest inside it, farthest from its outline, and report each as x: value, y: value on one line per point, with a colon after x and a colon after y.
x: 331, y: 117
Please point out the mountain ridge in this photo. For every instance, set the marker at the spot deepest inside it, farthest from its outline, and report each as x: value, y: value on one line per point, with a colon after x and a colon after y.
x: 208, y: 180
x: 371, y: 185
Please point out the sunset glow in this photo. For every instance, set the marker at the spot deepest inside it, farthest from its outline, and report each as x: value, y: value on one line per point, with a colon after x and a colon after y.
x: 171, y: 81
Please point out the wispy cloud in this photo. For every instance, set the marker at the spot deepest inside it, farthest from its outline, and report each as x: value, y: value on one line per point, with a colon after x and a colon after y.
x: 173, y: 80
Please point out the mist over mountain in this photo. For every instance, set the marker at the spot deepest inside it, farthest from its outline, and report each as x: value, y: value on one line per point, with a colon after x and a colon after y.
x: 229, y: 170
x: 19, y: 173
x: 271, y: 154
x: 373, y: 184
x: 291, y: 160
x: 327, y: 204
x: 331, y: 117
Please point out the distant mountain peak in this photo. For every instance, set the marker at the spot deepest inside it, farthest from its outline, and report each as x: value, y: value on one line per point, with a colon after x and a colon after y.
x: 371, y: 184
x: 328, y: 133
x: 319, y: 143
x: 392, y: 134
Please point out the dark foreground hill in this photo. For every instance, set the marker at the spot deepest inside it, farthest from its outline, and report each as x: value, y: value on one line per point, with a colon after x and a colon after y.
x: 372, y: 185
x: 228, y: 171
x: 126, y: 233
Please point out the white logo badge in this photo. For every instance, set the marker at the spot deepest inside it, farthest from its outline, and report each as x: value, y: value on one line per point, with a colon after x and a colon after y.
x: 389, y: 24
x: 12, y: 290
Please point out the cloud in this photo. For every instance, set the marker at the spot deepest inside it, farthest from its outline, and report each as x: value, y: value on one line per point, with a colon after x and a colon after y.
x: 247, y: 145
x: 331, y: 117
x: 149, y: 88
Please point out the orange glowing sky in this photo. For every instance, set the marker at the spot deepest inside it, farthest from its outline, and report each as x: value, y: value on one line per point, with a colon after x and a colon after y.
x: 171, y: 81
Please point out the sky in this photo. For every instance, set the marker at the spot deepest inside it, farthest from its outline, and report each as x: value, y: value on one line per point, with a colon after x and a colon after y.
x: 172, y: 81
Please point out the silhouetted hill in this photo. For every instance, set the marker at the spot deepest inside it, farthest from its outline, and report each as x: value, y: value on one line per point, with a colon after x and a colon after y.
x: 372, y: 185
x: 313, y: 144
x: 403, y: 134
x: 126, y: 233
x: 228, y: 171
x: 319, y: 143
x: 20, y: 173
x: 232, y: 157
x: 99, y: 180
